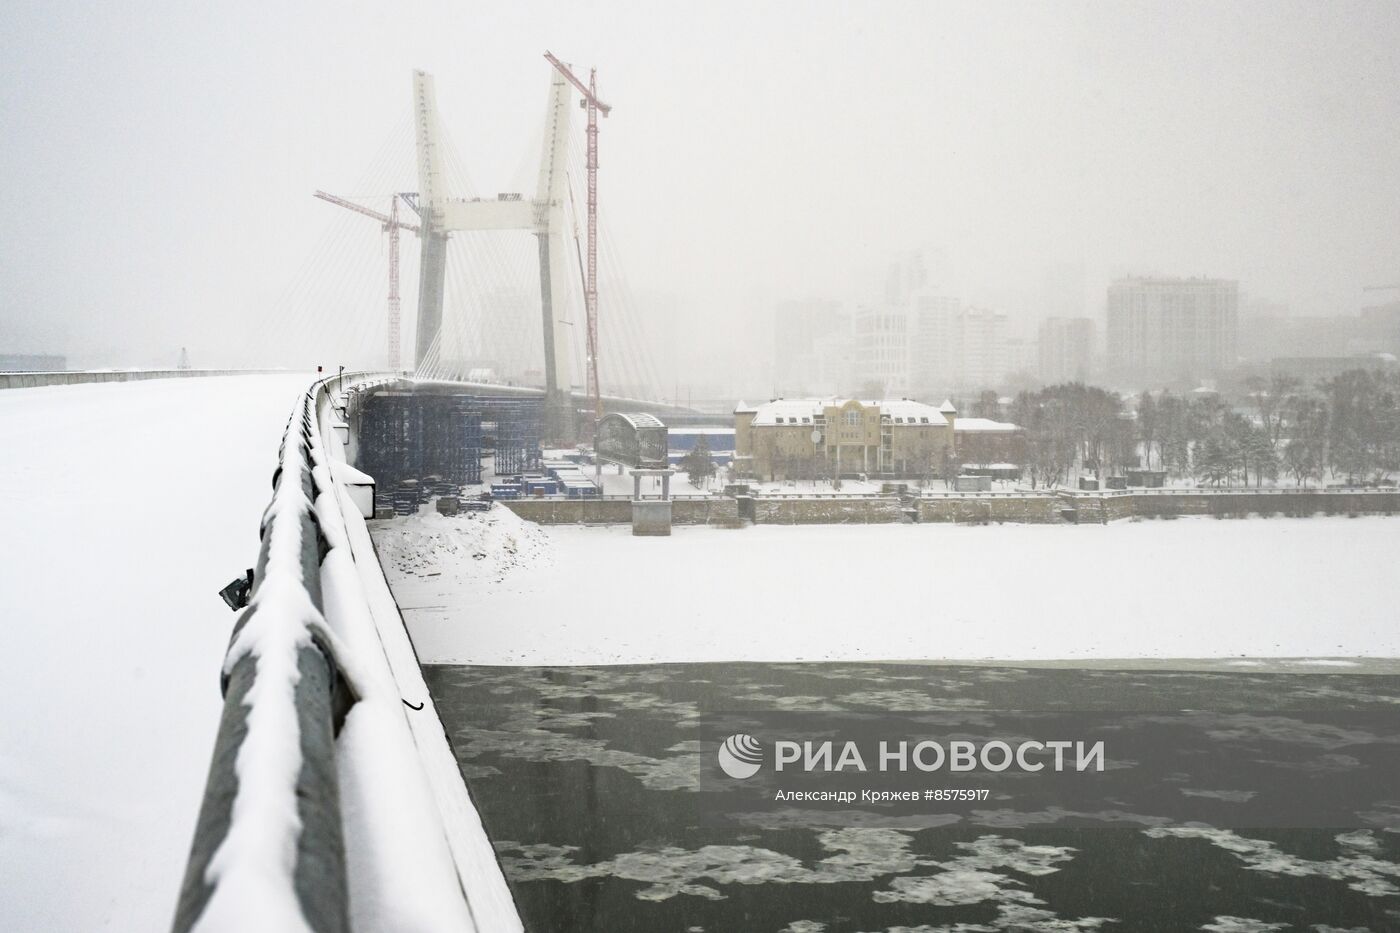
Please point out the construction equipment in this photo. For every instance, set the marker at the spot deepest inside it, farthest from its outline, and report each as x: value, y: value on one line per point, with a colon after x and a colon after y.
x: 593, y: 105
x: 391, y: 225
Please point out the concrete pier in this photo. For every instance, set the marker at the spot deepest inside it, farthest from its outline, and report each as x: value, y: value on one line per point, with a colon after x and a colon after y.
x: 651, y: 517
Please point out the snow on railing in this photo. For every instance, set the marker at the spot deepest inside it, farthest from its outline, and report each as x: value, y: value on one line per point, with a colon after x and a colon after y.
x: 324, y: 804
x: 268, y: 851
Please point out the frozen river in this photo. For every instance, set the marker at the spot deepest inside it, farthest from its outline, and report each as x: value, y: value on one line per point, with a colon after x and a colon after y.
x: 592, y: 783
x: 496, y: 590
x: 577, y: 671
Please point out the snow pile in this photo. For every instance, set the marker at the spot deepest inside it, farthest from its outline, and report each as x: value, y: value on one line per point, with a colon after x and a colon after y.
x: 484, y: 550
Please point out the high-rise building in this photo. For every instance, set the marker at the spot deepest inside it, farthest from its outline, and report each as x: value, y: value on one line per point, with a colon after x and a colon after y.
x: 984, y: 353
x: 883, y: 339
x: 1066, y: 349
x: 955, y: 348
x: 936, y: 344
x: 1171, y: 331
x: 907, y: 276
x: 811, y: 347
x: 1380, y: 329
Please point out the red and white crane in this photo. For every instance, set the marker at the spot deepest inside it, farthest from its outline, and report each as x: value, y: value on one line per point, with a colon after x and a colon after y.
x: 391, y: 225
x: 594, y: 106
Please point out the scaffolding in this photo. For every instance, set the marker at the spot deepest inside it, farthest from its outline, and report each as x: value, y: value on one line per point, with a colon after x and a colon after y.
x: 420, y: 445
x: 514, y: 433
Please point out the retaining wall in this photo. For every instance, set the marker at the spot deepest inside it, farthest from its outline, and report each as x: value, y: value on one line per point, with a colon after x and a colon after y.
x: 1036, y: 509
x: 826, y: 511
x: 1032, y: 508
x: 1097, y: 508
x: 572, y: 511
x: 716, y: 510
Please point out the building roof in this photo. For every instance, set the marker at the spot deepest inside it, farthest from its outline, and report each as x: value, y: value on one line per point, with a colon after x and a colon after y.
x: 908, y: 408
x: 781, y: 410
x: 638, y: 419
x: 799, y: 411
x: 947, y: 407
x: 984, y: 425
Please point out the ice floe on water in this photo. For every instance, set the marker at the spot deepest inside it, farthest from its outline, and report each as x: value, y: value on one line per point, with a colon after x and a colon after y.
x: 908, y: 701
x: 985, y: 870
x: 1229, y: 924
x: 1229, y: 796
x: 680, y: 772
x: 1358, y: 866
x: 1024, y: 819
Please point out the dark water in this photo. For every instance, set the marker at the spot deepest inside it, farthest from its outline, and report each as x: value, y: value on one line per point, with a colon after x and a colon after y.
x: 591, y: 783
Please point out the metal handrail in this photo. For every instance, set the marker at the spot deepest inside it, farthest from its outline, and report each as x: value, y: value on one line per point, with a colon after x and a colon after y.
x: 280, y: 649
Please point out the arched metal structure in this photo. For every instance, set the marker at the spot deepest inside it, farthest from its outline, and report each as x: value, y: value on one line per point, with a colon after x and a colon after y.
x: 634, y: 439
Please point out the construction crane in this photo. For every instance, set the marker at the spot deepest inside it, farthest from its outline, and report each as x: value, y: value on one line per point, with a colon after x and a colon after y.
x: 594, y: 106
x: 391, y: 225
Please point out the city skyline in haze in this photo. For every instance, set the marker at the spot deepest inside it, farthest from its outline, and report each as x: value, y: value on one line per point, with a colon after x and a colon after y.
x: 160, y: 157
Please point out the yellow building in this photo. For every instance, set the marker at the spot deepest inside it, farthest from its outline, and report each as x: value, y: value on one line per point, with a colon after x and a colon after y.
x: 810, y: 438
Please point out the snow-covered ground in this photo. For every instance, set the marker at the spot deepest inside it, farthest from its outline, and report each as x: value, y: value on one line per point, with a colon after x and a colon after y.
x: 615, y: 485
x: 496, y: 590
x: 126, y: 506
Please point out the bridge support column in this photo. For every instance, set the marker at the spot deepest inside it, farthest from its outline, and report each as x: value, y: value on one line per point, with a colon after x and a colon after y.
x: 431, y: 275
x: 559, y: 416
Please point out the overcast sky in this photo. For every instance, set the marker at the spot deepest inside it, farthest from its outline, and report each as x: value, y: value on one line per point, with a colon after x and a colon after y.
x: 158, y: 157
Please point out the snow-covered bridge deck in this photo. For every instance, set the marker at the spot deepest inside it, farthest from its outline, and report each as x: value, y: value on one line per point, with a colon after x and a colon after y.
x: 125, y: 507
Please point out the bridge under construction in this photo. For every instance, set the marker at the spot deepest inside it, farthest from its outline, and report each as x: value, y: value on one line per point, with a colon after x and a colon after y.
x: 482, y: 331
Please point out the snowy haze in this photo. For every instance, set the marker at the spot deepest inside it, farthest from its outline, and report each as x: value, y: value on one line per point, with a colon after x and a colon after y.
x: 159, y: 157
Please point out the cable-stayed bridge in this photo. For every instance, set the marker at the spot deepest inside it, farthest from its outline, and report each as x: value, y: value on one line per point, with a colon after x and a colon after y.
x: 499, y: 283
x: 329, y: 750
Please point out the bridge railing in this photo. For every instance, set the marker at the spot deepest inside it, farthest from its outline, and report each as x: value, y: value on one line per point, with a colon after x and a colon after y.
x: 268, y: 842
x: 314, y: 681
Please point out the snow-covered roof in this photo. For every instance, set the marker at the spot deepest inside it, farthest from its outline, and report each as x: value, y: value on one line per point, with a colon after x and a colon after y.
x: 908, y: 409
x: 947, y: 407
x: 783, y: 410
x: 744, y: 408
x: 639, y: 419
x: 984, y: 424
x: 804, y: 410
